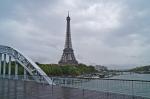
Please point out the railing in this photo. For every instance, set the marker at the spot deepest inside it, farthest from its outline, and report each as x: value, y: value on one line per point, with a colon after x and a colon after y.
x: 121, y: 86
x: 106, y: 88
x: 24, y: 78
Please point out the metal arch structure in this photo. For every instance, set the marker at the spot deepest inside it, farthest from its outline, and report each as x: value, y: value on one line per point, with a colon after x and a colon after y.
x: 34, y: 70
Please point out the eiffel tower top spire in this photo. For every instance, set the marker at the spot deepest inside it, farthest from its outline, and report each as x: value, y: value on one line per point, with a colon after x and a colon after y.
x: 68, y: 54
x: 68, y: 13
x: 68, y: 43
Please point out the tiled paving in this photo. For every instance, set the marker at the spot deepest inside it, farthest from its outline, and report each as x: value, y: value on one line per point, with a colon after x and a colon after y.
x: 14, y: 89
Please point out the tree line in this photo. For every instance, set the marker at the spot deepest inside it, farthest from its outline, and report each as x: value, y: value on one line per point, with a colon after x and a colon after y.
x: 54, y: 69
x: 66, y: 70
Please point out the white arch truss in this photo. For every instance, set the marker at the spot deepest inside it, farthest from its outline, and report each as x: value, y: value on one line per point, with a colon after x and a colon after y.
x: 34, y: 70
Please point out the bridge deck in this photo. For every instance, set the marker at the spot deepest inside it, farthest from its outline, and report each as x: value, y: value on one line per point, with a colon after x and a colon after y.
x: 14, y: 89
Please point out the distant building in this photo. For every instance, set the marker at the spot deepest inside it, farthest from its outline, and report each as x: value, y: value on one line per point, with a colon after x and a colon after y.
x: 68, y: 56
x: 101, y: 68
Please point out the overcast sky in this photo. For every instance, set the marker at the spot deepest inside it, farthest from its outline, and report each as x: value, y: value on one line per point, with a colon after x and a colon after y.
x: 106, y: 32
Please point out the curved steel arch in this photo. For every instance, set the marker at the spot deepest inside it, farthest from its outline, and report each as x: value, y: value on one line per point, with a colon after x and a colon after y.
x: 33, y: 69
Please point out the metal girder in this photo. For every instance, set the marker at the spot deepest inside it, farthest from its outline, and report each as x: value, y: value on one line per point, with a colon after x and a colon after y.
x: 33, y: 69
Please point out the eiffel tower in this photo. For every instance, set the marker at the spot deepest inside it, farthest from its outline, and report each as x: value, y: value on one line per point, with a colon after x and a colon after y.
x: 68, y: 56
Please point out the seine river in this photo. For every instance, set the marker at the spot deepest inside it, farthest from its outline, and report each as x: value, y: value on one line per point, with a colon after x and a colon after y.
x: 133, y: 77
x: 138, y: 88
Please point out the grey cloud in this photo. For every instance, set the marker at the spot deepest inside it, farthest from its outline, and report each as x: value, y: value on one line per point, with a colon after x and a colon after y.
x: 103, y: 31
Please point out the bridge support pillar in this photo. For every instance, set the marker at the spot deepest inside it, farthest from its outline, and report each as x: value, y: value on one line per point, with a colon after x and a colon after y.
x: 0, y: 63
x: 9, y: 68
x: 4, y: 66
x: 16, y: 70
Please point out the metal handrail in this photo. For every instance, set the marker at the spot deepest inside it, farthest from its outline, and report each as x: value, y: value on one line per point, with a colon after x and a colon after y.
x: 119, y: 86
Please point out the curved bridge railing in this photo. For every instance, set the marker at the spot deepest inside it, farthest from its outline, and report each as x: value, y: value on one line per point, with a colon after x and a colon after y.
x: 29, y: 66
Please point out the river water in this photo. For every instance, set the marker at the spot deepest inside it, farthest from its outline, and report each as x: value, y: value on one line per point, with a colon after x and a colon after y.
x: 133, y: 77
x: 138, y: 88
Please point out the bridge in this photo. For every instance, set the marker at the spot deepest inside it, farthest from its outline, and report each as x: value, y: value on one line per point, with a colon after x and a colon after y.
x: 33, y: 83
